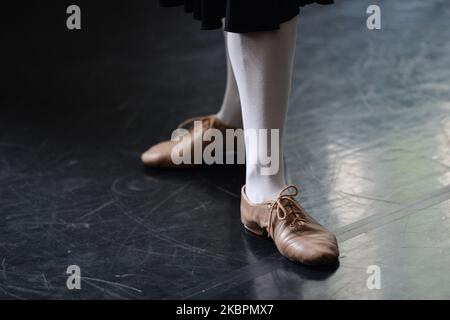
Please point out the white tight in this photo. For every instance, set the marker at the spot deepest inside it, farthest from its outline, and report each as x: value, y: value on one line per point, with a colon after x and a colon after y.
x: 230, y: 112
x: 261, y: 70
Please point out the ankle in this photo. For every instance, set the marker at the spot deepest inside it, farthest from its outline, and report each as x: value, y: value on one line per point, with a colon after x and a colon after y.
x: 263, y: 189
x: 230, y: 120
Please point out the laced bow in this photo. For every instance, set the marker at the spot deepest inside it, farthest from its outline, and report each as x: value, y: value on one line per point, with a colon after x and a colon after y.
x: 285, y: 205
x: 185, y: 124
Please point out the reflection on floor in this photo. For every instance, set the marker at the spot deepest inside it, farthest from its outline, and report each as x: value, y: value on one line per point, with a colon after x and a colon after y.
x: 368, y: 136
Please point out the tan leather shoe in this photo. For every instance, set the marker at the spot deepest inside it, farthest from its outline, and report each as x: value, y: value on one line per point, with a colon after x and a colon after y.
x: 297, y: 235
x: 159, y: 155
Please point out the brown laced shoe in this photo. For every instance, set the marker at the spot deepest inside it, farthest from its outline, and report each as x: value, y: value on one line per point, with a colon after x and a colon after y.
x: 297, y: 235
x: 159, y: 155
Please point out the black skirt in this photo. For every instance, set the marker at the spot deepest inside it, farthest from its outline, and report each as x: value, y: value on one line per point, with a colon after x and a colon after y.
x: 242, y: 15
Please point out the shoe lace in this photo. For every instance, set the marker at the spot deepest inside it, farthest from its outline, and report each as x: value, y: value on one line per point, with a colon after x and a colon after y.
x: 285, y: 206
x: 189, y: 122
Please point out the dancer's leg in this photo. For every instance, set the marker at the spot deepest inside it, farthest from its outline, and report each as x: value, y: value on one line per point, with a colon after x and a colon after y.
x: 230, y: 111
x: 262, y: 64
x: 229, y: 116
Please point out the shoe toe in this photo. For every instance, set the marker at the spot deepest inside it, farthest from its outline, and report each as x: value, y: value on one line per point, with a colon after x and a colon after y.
x: 313, y: 250
x: 156, y: 156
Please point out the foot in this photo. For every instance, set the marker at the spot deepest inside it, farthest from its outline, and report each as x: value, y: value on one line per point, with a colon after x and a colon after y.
x: 296, y: 234
x: 160, y: 155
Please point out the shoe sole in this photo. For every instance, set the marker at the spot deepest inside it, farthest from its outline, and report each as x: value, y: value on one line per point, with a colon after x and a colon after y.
x: 256, y: 232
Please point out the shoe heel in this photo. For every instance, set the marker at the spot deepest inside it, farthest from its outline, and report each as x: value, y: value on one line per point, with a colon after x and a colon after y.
x: 258, y: 232
x: 253, y: 227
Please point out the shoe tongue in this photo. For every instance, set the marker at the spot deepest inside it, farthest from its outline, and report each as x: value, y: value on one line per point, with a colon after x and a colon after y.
x: 209, y: 122
x: 291, y: 206
x: 205, y: 124
x: 287, y: 202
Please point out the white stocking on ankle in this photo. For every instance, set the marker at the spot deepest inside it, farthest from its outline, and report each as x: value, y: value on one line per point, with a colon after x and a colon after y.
x: 262, y: 65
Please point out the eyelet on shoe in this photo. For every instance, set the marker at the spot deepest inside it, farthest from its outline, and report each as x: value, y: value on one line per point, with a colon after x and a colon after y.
x: 300, y: 224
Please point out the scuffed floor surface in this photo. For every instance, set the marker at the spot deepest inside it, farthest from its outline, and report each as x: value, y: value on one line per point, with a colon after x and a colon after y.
x: 368, y: 141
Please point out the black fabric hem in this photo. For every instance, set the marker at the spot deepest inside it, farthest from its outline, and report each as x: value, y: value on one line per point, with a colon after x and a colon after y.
x: 239, y: 16
x: 263, y: 28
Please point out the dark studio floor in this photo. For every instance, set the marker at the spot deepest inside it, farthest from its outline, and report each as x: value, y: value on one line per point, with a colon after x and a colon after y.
x: 368, y: 140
